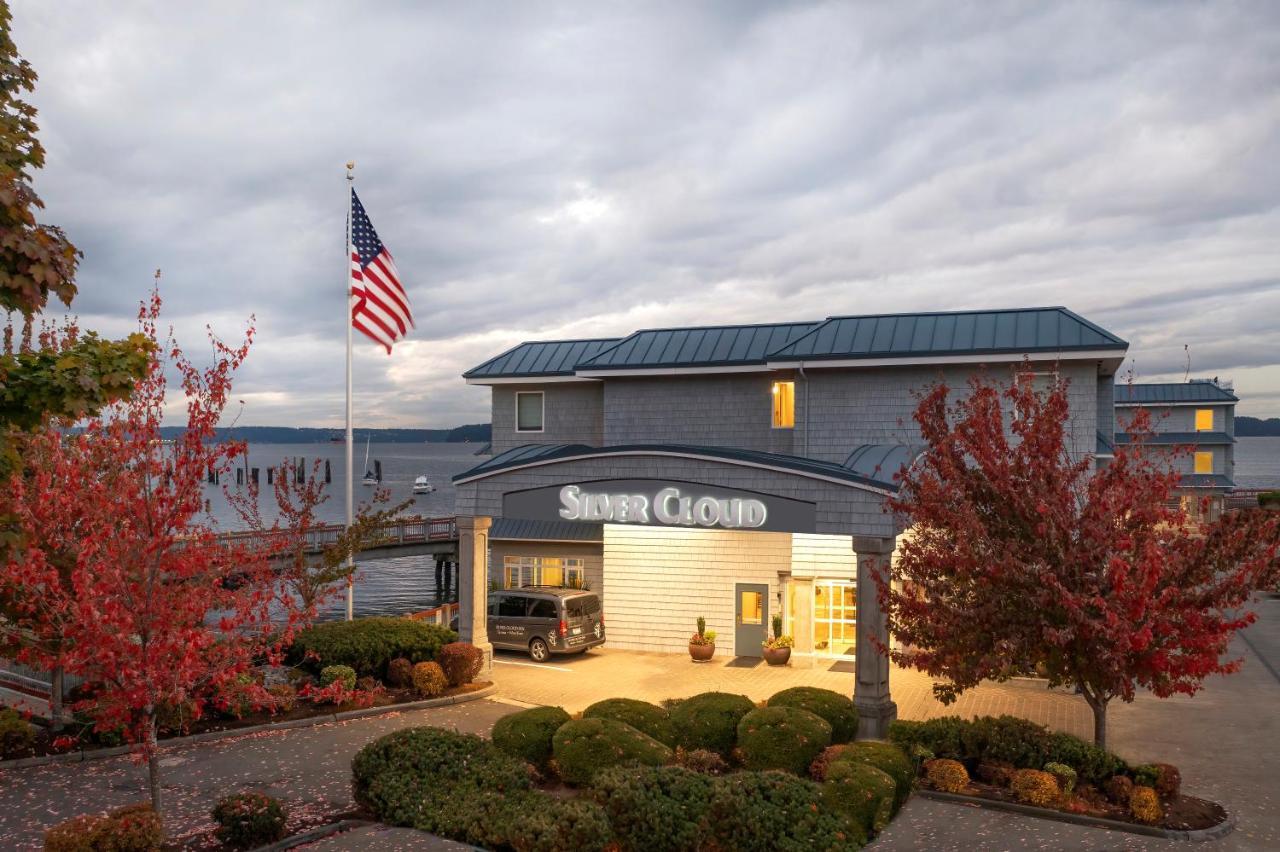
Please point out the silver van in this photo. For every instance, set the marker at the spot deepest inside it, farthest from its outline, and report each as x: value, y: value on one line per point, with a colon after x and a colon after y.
x: 545, y: 620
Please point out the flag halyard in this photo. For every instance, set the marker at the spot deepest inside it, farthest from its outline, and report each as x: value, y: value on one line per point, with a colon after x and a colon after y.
x: 379, y: 305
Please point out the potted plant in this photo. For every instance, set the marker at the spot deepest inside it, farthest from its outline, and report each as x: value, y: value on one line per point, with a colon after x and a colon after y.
x: 777, y: 649
x: 702, y: 645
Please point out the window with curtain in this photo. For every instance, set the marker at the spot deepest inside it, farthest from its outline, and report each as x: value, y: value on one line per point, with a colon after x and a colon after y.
x: 542, y: 571
x: 784, y: 405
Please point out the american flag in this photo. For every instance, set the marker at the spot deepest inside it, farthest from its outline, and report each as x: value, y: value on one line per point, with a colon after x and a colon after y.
x: 381, y: 308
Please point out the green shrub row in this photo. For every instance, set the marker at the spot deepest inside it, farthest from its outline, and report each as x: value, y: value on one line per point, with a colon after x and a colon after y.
x: 368, y: 645
x: 1019, y: 742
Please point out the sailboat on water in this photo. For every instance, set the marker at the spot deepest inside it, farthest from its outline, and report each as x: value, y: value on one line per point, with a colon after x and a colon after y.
x: 370, y: 478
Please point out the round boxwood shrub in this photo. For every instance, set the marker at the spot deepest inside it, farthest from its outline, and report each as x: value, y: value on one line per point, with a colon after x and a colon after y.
x: 249, y: 820
x: 429, y: 680
x: 533, y: 821
x: 889, y: 759
x: 430, y: 778
x: 767, y: 811
x: 710, y: 721
x: 582, y: 747
x: 527, y: 734
x: 344, y: 674
x: 16, y: 733
x: 655, y: 808
x: 836, y: 709
x: 946, y: 775
x: 1063, y: 774
x: 133, y: 828
x: 786, y: 738
x: 1144, y: 805
x: 368, y: 645
x: 461, y: 662
x: 400, y: 672
x: 1035, y: 787
x: 860, y: 792
x: 644, y: 717
x: 821, y: 763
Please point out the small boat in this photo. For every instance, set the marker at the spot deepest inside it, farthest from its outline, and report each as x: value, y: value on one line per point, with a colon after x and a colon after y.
x: 422, y: 485
x: 370, y: 478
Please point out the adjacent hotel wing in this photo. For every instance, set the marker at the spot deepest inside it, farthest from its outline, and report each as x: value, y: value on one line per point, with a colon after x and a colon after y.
x: 810, y: 420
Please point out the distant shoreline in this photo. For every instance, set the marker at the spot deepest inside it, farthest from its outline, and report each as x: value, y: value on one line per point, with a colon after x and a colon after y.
x: 475, y: 433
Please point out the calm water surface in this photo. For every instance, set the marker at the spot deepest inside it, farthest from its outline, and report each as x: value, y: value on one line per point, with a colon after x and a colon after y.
x: 407, y: 584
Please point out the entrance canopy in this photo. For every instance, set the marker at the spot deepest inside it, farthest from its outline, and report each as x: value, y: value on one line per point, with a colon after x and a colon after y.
x: 693, y: 486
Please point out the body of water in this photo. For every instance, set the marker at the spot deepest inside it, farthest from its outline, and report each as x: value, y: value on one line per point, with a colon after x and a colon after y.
x: 384, y: 586
x: 1258, y: 462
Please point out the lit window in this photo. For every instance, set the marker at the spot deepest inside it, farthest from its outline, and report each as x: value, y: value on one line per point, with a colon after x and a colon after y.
x: 1204, y: 462
x: 529, y: 411
x: 1204, y: 419
x: 784, y: 405
x: 542, y: 571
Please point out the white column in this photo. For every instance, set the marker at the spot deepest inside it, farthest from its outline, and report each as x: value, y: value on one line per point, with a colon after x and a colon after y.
x: 871, y: 683
x: 473, y: 583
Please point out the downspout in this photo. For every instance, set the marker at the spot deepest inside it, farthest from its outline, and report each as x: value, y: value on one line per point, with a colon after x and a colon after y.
x: 806, y: 409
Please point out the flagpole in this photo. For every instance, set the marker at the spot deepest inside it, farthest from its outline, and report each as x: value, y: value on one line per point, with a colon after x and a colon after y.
x: 346, y: 307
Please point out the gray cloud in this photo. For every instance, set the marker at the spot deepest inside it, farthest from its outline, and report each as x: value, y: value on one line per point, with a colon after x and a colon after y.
x: 552, y: 169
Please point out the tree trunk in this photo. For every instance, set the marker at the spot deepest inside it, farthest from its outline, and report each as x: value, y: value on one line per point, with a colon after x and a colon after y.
x: 153, y: 763
x: 55, y: 700
x: 1098, y: 704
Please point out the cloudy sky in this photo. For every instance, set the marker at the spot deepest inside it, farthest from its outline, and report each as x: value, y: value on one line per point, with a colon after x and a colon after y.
x: 549, y: 170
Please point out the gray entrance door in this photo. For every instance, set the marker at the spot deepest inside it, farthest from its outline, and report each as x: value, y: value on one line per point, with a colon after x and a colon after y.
x: 751, y: 618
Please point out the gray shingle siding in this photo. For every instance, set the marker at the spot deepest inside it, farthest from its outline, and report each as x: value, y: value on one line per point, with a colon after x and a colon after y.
x: 572, y: 414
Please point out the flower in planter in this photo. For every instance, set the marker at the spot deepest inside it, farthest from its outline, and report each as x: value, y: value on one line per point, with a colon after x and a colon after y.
x: 707, y: 638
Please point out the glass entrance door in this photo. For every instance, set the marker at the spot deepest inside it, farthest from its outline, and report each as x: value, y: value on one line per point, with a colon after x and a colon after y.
x: 835, y: 618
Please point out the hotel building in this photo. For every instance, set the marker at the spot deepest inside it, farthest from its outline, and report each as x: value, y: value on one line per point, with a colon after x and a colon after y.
x: 735, y: 472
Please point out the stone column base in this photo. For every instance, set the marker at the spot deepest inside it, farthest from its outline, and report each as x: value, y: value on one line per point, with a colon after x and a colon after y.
x: 487, y: 649
x: 874, y: 718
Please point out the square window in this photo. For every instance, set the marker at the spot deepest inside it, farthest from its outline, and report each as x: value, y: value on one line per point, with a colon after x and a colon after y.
x: 1204, y: 419
x: 1204, y: 462
x: 784, y: 405
x: 529, y: 411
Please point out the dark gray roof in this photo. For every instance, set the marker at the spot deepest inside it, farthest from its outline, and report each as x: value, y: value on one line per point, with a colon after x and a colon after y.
x: 1205, y: 480
x: 516, y: 529
x: 1173, y: 392
x: 710, y: 346
x: 530, y: 453
x: 1030, y: 330
x: 881, y: 462
x: 1180, y: 438
x: 540, y: 358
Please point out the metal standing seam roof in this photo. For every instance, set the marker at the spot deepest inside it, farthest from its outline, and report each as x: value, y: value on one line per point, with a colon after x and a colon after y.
x: 1205, y: 480
x: 546, y: 453
x: 881, y: 462
x: 1179, y: 438
x: 707, y: 346
x: 541, y: 358
x: 1053, y: 329
x: 1173, y: 392
x: 516, y: 529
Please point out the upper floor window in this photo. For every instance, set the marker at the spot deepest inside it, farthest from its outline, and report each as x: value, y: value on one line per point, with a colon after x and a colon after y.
x: 529, y: 405
x: 1204, y: 462
x: 784, y: 405
x: 1204, y: 419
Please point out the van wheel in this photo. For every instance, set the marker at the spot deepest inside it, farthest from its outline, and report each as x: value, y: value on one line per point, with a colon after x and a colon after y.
x: 539, y: 651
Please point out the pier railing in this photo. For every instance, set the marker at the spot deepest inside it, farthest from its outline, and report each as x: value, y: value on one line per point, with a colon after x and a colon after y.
x: 400, y: 531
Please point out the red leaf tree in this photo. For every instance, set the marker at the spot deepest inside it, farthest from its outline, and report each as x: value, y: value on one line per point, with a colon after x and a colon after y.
x: 1020, y: 555
x: 117, y: 577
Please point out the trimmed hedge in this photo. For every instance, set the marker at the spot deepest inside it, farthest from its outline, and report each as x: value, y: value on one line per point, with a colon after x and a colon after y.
x: 889, y: 759
x: 249, y: 820
x: 133, y: 828
x: 582, y: 747
x: 1024, y: 744
x: 527, y: 734
x: 838, y: 710
x: 787, y: 738
x: 368, y: 645
x: 710, y: 721
x: 644, y: 717
x: 655, y: 808
x: 861, y: 792
x: 535, y: 822
x: 768, y: 811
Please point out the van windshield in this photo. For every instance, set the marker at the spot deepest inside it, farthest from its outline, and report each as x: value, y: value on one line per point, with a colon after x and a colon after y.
x: 583, y: 606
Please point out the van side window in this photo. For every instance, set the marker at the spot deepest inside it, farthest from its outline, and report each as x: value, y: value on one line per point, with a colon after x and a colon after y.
x: 513, y: 606
x: 542, y: 608
x: 579, y: 607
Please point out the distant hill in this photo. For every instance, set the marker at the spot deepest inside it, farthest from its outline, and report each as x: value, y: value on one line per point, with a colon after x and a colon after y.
x: 1252, y: 427
x: 476, y: 433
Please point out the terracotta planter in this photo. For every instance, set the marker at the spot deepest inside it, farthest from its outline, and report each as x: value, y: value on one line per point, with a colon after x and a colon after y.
x: 701, y: 653
x: 776, y: 656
